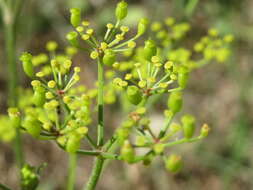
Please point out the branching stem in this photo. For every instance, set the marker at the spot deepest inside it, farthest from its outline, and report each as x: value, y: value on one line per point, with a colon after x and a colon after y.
x: 98, y: 163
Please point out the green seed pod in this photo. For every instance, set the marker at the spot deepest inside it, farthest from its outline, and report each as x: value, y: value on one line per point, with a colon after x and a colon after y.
x: 174, y: 163
x: 72, y: 38
x: 183, y: 77
x: 109, y: 57
x: 148, y: 159
x: 127, y: 152
x: 175, y: 102
x: 26, y: 59
x: 32, y: 125
x: 75, y: 17
x: 188, y: 125
x: 134, y: 95
x: 121, y: 10
x: 39, y: 98
x: 142, y: 26
x: 73, y: 143
x: 149, y: 49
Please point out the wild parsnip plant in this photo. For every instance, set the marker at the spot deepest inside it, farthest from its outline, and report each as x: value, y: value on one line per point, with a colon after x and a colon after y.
x: 61, y: 109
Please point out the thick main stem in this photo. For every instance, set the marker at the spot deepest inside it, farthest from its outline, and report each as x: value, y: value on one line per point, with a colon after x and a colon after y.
x: 96, y: 171
x: 98, y: 163
x: 72, y: 171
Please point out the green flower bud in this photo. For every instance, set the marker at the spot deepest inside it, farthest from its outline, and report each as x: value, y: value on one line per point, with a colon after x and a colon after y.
x: 71, y: 51
x: 140, y: 140
x: 94, y: 55
x: 198, y: 47
x: 62, y: 140
x: 213, y: 32
x: 158, y: 148
x: 142, y: 83
x: 174, y: 163
x: 51, y: 46
x: 149, y: 49
x: 32, y: 125
x: 26, y: 59
x: 42, y: 116
x: 228, y: 38
x: 175, y: 102
x: 75, y: 17
x: 109, y: 57
x: 222, y: 55
x: 141, y: 110
x: 156, y: 26
x: 47, y: 126
x: 49, y: 95
x: 129, y: 123
x: 7, y: 132
x: 204, y: 130
x: 134, y: 95
x: 183, y: 77
x: 82, y: 131
x: 175, y: 127
x: 122, y: 134
x: 121, y: 10
x: 168, y: 113
x: 51, y: 84
x: 127, y: 152
x: 30, y: 179
x: 142, y: 26
x: 209, y: 53
x: 188, y: 125
x: 14, y: 115
x: 72, y: 38
x: 145, y: 122
x: 73, y: 143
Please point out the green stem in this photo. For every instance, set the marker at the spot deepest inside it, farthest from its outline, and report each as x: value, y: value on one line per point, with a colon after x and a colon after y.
x: 91, y: 142
x: 18, y: 149
x: 190, y: 7
x: 98, y: 164
x: 96, y: 171
x: 184, y: 140
x: 165, y: 127
x: 10, y: 45
x: 72, y: 171
x: 104, y: 155
x: 100, y: 102
x: 3, y: 187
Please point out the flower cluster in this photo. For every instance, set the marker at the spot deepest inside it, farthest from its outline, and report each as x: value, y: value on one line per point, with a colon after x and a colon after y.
x: 61, y: 110
x: 143, y: 79
x: 169, y: 35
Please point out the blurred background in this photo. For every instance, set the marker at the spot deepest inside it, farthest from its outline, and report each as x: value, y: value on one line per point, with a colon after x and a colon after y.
x: 218, y: 94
